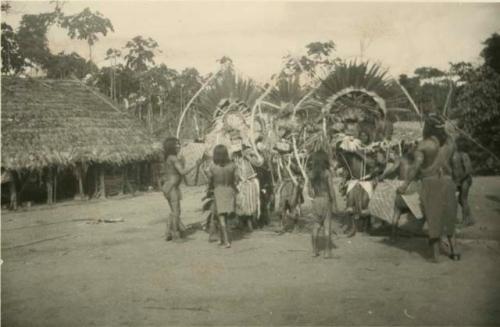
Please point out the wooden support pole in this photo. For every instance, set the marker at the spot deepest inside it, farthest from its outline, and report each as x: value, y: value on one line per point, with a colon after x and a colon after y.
x: 13, y: 191
x: 79, y: 176
x: 102, y: 184
x: 127, y: 183
x: 138, y: 174
x: 55, y: 186
x: 50, y: 187
x: 123, y: 176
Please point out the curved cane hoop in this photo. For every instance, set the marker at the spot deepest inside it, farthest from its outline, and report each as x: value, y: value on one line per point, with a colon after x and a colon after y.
x: 179, y: 125
x: 332, y: 99
x: 252, y: 116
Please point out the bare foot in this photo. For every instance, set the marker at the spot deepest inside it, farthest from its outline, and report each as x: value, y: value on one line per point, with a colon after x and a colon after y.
x: 227, y: 246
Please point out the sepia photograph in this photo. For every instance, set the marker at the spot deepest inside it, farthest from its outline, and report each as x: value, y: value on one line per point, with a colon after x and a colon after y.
x: 250, y: 163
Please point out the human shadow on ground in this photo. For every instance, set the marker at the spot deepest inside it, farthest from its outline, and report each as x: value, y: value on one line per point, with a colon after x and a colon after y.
x: 411, y: 244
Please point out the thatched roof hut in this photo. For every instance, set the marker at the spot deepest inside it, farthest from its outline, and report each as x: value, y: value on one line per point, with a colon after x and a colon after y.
x: 62, y: 122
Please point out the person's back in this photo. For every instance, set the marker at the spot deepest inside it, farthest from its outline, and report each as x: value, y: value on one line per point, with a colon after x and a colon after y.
x: 321, y: 187
x: 223, y: 175
x: 323, y: 194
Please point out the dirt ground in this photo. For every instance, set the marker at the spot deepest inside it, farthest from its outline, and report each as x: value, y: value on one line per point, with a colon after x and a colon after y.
x: 59, y: 269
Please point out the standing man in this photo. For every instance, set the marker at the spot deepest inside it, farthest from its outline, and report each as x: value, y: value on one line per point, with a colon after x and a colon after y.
x: 432, y: 164
x: 462, y: 175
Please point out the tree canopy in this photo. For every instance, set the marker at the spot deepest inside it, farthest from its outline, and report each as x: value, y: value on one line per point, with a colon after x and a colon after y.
x: 491, y: 52
x: 87, y: 25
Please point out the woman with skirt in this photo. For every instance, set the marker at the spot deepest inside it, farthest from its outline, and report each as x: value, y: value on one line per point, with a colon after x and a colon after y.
x: 248, y: 197
x: 222, y: 175
x: 324, y: 202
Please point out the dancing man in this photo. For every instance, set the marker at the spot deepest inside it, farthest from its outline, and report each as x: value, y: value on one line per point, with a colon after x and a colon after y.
x: 432, y: 163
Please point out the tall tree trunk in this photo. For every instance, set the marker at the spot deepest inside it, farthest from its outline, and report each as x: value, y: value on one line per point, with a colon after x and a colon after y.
x: 150, y: 116
x: 111, y: 83
x: 50, y: 186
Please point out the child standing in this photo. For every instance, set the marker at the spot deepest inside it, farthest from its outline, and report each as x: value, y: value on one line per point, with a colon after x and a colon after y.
x: 324, y: 203
x: 222, y: 175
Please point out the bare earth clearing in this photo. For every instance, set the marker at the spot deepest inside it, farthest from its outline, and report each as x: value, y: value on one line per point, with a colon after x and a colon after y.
x: 59, y: 270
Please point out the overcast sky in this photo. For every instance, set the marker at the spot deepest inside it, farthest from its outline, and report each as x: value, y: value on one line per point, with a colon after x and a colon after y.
x: 256, y: 35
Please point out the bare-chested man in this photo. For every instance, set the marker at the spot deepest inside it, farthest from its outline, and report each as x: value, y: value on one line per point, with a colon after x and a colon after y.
x: 462, y: 174
x: 432, y: 165
x: 171, y: 175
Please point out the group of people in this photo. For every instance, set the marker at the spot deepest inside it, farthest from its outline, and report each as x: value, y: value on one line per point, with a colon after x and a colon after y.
x: 235, y: 187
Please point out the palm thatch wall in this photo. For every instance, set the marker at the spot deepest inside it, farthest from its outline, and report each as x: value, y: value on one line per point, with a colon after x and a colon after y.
x: 63, y: 122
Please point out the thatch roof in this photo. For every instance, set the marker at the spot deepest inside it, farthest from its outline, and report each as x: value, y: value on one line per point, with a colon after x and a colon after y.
x: 61, y: 122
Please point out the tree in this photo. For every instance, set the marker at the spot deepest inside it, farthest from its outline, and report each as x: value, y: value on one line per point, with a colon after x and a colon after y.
x: 5, y: 6
x: 428, y: 72
x: 491, y: 52
x: 87, y: 25
x: 12, y: 59
x: 32, y: 38
x: 141, y: 53
x: 318, y: 61
x: 112, y: 55
x: 63, y: 65
x: 126, y: 81
x: 428, y: 93
x: 478, y: 107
